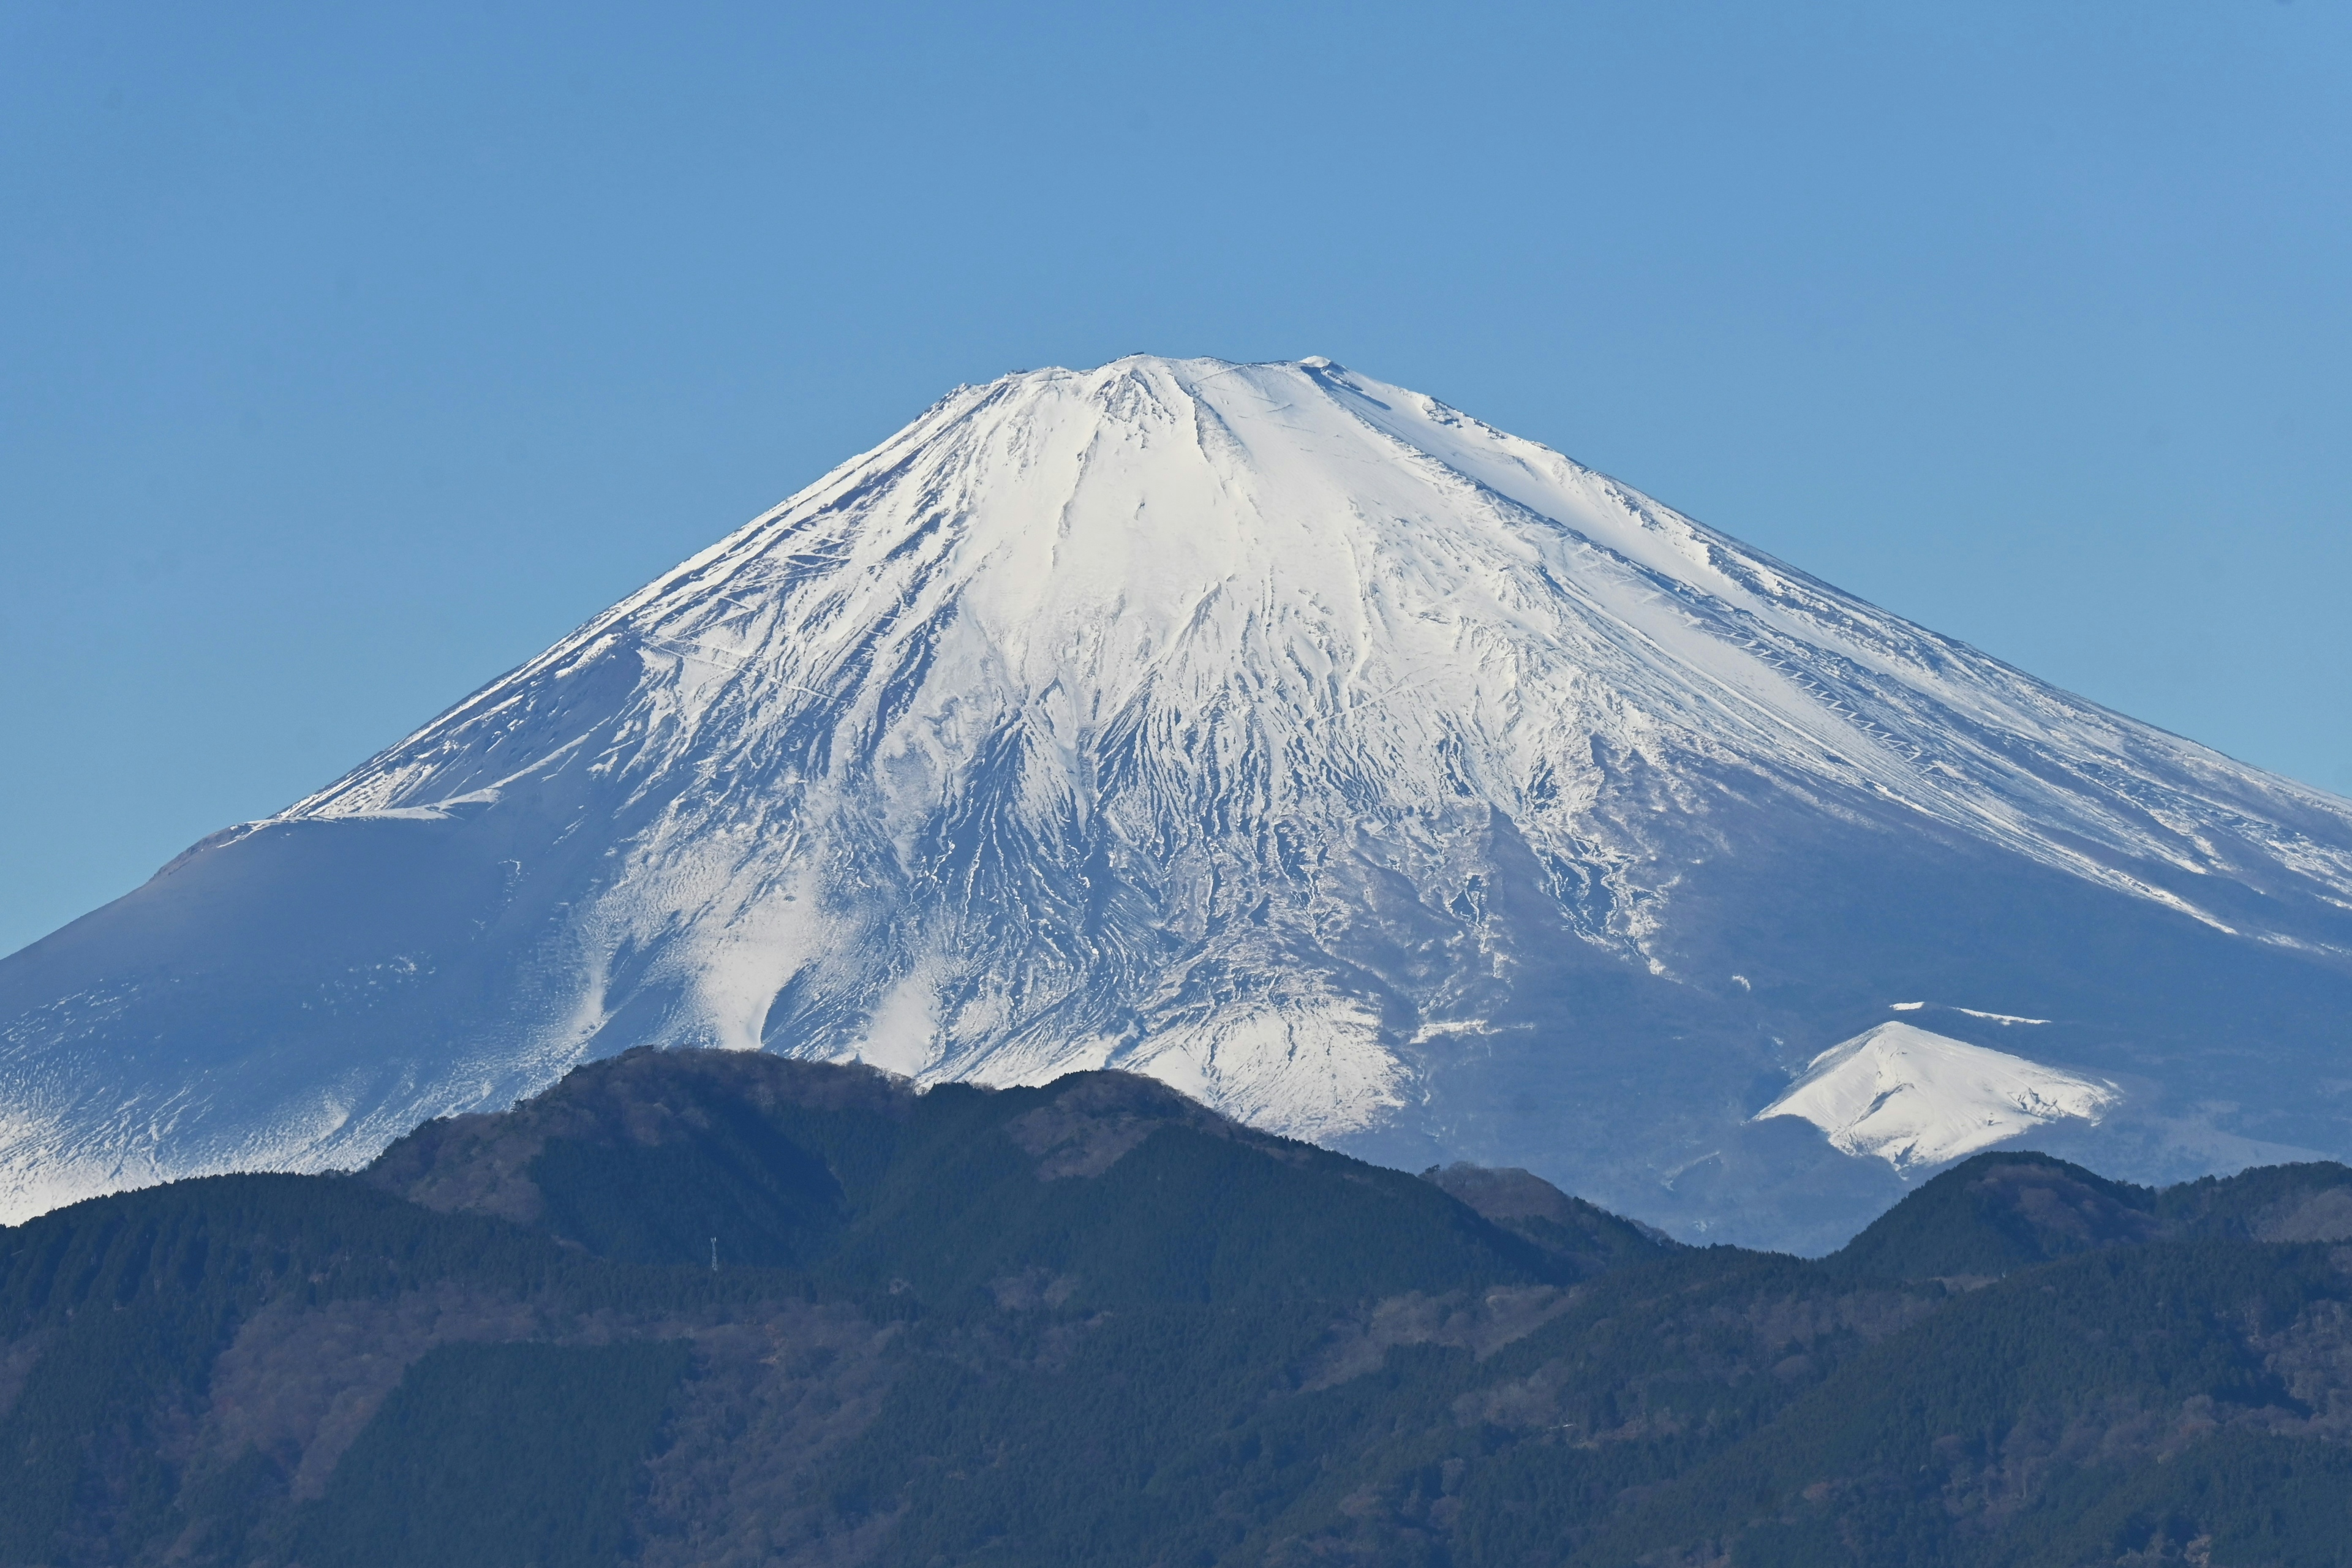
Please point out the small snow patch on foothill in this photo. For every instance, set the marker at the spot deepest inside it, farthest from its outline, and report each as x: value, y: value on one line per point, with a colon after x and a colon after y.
x: 1912, y: 1097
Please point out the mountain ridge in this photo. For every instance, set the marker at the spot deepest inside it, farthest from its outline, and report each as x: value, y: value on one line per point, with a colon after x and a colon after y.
x: 972, y: 1325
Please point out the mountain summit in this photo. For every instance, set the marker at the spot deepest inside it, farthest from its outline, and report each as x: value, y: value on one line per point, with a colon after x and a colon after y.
x: 1373, y: 776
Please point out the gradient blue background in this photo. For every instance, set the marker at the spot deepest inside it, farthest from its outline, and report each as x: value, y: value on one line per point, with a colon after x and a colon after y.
x: 348, y: 357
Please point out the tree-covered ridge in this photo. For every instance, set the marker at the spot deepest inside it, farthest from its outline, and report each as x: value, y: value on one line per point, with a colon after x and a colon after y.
x: 1092, y: 1323
x: 1996, y: 1212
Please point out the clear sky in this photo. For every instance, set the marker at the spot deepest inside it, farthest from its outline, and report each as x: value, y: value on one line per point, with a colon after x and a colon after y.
x: 348, y: 355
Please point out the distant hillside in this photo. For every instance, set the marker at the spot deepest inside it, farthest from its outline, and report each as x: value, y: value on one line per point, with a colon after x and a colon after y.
x: 1997, y: 1213
x: 1096, y: 1324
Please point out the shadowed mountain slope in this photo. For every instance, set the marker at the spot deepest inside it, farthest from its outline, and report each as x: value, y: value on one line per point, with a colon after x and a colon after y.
x: 1997, y: 1213
x: 665, y: 1157
x: 1096, y: 1324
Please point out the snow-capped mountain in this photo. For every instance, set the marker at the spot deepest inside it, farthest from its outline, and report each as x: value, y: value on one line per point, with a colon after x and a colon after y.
x: 1373, y: 776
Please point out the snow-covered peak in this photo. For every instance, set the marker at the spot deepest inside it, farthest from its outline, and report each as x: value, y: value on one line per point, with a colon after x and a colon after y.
x: 1182, y: 616
x: 1335, y: 581
x: 1914, y: 1098
x: 1360, y: 769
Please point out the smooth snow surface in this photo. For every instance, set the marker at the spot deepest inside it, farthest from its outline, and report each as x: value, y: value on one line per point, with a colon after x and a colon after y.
x: 1912, y: 1097
x: 1371, y: 774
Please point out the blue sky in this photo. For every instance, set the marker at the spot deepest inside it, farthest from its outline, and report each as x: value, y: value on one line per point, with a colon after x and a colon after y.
x: 348, y: 356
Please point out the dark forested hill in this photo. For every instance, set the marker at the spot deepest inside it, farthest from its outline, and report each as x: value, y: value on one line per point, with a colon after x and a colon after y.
x: 704, y: 1308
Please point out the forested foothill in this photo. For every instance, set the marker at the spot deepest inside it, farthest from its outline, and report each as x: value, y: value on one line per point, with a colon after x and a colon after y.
x: 718, y: 1309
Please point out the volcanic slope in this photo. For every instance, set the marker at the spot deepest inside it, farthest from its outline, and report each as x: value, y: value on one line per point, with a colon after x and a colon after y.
x: 1373, y: 776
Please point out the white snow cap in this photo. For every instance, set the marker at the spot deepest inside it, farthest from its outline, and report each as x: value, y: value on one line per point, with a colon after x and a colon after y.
x: 1179, y: 618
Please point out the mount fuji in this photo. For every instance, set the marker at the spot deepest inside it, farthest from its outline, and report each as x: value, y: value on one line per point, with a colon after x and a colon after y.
x: 1368, y: 773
